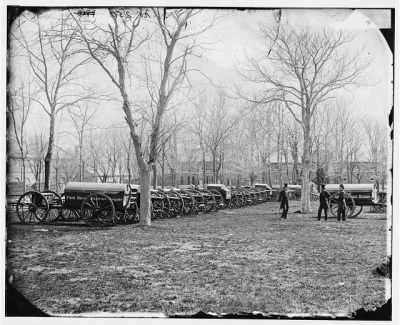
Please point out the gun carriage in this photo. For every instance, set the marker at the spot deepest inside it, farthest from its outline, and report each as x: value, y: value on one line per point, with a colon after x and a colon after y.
x: 110, y: 203
x: 266, y: 191
x: 356, y: 197
x: 222, y: 195
x: 380, y: 206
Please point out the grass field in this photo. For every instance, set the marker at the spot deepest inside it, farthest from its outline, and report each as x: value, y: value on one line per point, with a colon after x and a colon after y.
x: 230, y: 261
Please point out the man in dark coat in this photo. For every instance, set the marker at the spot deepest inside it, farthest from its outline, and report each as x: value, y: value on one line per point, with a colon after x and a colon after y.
x: 323, y: 202
x: 341, y: 203
x: 284, y: 200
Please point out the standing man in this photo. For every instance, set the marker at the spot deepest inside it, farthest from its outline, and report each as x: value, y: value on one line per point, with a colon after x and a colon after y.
x: 323, y: 202
x: 283, y: 198
x: 341, y: 212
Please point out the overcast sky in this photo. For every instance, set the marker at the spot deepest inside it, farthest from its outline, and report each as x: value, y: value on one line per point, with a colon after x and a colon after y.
x: 236, y: 34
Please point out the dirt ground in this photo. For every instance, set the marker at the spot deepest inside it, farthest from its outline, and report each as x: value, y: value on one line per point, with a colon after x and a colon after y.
x: 229, y: 261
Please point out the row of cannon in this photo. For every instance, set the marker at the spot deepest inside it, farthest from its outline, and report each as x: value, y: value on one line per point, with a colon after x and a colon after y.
x: 107, y: 204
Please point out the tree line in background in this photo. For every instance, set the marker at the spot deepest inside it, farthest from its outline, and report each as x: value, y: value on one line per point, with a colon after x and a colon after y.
x: 247, y: 144
x: 289, y: 113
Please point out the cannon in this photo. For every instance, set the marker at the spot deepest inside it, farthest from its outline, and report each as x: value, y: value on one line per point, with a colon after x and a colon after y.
x: 356, y: 195
x: 222, y: 195
x: 380, y: 206
x: 294, y: 192
x: 189, y: 204
x: 176, y: 202
x: 32, y: 207
x: 98, y: 203
x: 160, y: 202
x: 266, y: 191
x: 94, y: 203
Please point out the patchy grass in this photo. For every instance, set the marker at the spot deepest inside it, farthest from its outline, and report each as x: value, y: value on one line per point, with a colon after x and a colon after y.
x: 226, y: 262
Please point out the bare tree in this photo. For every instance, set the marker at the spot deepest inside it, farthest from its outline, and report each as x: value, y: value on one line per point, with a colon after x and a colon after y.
x: 119, y: 40
x: 18, y: 109
x: 265, y: 135
x: 346, y: 141
x: 127, y: 152
x: 303, y: 68
x: 213, y: 126
x: 54, y: 62
x: 37, y: 145
x: 293, y: 141
x: 67, y: 170
x: 190, y: 150
x: 81, y: 116
x: 168, y: 133
x: 323, y: 137
x: 377, y: 141
x: 199, y: 129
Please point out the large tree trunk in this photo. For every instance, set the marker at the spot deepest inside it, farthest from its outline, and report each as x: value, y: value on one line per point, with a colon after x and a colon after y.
x: 145, y: 197
x: 163, y: 167
x: 49, y: 154
x: 295, y: 175
x: 305, y: 180
x: 154, y: 183
x: 24, y: 174
x: 128, y: 167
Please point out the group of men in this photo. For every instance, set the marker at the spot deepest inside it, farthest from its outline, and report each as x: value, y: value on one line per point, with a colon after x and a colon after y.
x: 323, y: 202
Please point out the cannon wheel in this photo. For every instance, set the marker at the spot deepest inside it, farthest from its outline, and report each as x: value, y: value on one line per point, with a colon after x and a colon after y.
x: 189, y: 204
x: 157, y: 205
x: 98, y: 209
x: 199, y: 202
x: 379, y: 208
x: 55, y: 205
x: 177, y: 203
x: 209, y: 203
x: 128, y: 216
x: 166, y: 210
x: 68, y: 214
x: 219, y: 200
x: 235, y: 201
x: 357, y: 210
x: 132, y: 214
x: 350, y: 205
x: 32, y: 207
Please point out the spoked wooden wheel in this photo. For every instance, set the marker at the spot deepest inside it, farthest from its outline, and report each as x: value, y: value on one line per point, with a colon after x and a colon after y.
x: 32, y: 207
x: 55, y: 205
x: 68, y: 214
x: 209, y: 200
x: 157, y: 205
x: 132, y: 214
x: 199, y: 202
x: 357, y: 210
x: 350, y: 205
x: 98, y: 210
x: 176, y: 203
x: 219, y: 201
x: 234, y: 202
x: 379, y: 208
x: 166, y: 210
x: 188, y: 202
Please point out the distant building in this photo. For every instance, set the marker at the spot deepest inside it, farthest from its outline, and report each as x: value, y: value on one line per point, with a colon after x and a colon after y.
x: 192, y: 173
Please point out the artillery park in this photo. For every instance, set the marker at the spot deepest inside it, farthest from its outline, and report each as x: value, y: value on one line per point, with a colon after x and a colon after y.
x: 230, y: 261
x: 151, y: 155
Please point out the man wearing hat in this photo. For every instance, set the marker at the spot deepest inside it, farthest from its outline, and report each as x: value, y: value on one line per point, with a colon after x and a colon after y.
x: 323, y: 202
x: 283, y: 198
